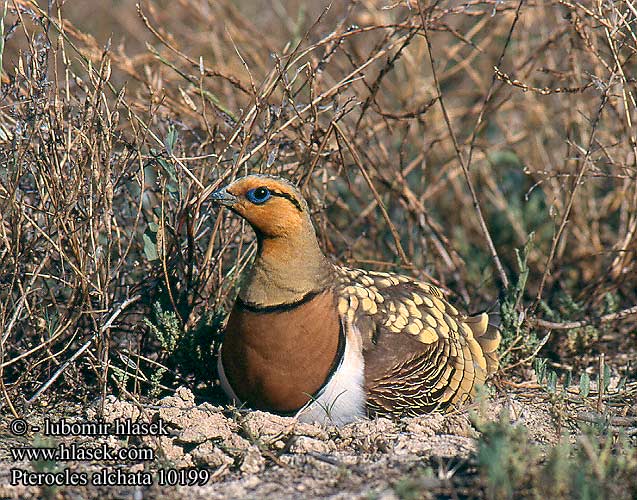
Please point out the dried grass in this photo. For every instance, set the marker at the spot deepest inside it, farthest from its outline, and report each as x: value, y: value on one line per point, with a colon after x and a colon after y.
x: 431, y: 138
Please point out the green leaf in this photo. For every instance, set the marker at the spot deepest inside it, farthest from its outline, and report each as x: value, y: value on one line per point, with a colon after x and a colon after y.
x: 171, y: 139
x: 539, y: 365
x: 584, y: 385
x: 551, y: 383
x: 168, y: 168
x: 172, y: 188
x: 568, y: 379
x: 606, y: 380
x: 621, y: 385
x: 150, y: 248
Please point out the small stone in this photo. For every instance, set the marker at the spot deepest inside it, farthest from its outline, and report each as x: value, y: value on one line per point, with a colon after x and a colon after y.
x: 183, y: 398
x: 209, y: 455
x: 253, y: 461
x: 166, y: 448
x: 304, y: 444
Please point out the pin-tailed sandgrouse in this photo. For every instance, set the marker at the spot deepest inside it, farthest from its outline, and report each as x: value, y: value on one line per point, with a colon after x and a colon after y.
x: 327, y: 343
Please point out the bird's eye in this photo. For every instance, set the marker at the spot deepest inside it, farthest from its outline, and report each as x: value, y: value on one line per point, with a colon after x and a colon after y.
x: 259, y: 195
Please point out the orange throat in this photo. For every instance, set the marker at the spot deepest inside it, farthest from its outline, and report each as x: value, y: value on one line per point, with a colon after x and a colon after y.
x: 286, y: 269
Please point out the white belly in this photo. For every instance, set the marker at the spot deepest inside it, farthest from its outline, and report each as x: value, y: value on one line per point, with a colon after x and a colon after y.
x: 342, y: 400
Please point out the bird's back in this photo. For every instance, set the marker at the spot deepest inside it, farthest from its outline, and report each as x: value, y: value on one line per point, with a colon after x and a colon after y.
x: 421, y: 354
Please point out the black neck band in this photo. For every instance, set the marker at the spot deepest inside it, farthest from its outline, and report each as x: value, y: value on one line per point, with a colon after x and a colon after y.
x: 284, y: 306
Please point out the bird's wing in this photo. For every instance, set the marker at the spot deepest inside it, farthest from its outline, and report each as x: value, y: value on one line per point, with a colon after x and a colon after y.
x: 421, y: 354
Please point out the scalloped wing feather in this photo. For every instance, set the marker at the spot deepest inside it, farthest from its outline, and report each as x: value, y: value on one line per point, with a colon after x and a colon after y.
x: 421, y: 353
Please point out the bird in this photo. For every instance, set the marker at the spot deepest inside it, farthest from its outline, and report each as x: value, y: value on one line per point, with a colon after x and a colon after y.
x: 330, y: 344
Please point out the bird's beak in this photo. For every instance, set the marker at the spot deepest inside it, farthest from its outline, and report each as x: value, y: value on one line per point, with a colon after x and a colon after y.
x: 223, y: 197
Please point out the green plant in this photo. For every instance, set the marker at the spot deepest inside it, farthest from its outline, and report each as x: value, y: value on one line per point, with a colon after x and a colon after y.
x: 188, y: 352
x: 413, y: 487
x: 597, y: 465
x: 503, y: 457
x: 517, y: 339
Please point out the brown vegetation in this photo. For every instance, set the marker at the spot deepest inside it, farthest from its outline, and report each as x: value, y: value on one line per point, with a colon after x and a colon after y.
x: 487, y: 146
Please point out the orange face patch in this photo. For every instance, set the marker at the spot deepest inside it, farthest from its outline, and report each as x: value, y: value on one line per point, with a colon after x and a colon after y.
x: 273, y: 208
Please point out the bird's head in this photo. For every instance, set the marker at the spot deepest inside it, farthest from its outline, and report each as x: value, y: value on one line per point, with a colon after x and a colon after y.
x: 273, y: 206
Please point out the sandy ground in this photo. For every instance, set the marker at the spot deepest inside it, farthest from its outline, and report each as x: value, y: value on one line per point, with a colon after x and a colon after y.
x: 254, y: 454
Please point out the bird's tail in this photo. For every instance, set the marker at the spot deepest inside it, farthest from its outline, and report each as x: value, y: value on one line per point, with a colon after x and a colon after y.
x: 486, y: 330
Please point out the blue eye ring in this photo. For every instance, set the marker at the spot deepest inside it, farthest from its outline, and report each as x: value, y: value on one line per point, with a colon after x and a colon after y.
x: 259, y: 195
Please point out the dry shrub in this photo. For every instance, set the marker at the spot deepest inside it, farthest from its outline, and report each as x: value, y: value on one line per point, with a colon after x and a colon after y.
x: 430, y: 138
